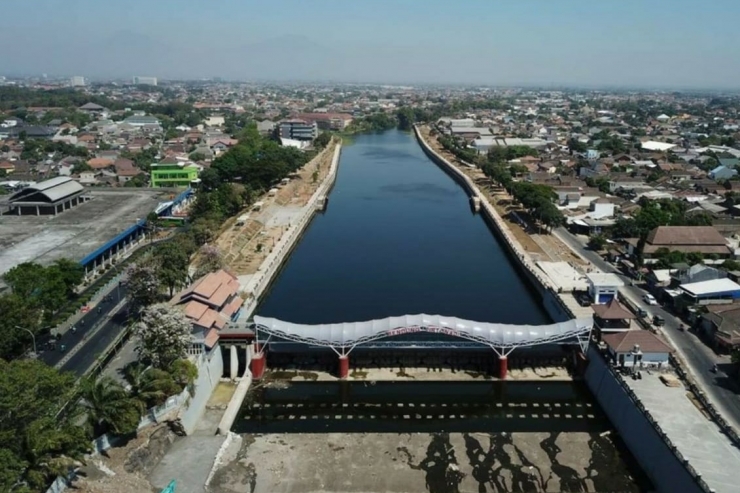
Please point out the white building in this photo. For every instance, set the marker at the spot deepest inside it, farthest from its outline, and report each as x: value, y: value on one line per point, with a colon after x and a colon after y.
x: 77, y: 81
x: 602, y: 288
x: 144, y: 81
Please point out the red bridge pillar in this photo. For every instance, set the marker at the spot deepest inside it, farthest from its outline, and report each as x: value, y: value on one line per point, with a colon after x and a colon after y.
x: 503, y: 367
x: 343, y: 366
x: 258, y: 365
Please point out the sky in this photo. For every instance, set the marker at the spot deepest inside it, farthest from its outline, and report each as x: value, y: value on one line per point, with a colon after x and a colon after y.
x: 551, y: 43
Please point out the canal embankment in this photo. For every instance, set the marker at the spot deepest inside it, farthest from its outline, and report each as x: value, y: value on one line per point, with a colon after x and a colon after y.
x: 556, y: 305
x: 257, y: 284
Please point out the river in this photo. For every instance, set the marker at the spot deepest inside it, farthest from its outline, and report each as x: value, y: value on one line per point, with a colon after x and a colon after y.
x: 398, y: 237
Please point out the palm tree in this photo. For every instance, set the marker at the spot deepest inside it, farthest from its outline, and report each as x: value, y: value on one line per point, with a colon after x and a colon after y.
x: 109, y: 407
x: 148, y: 386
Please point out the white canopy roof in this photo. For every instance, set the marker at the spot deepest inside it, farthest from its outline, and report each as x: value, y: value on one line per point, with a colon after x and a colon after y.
x: 355, y: 333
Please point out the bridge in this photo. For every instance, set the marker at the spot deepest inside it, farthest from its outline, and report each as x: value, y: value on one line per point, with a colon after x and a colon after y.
x: 342, y: 338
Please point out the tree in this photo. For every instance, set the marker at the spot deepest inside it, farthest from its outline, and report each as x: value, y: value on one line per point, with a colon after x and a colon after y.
x: 109, y: 407
x: 36, y: 441
x: 149, y: 387
x: 172, y: 261
x: 164, y: 335
x: 72, y: 274
x: 203, y: 230
x: 16, y: 312
x: 143, y: 285
x: 597, y: 242
x: 406, y: 118
x: 730, y: 265
x: 184, y: 373
x: 322, y: 140
x: 209, y: 260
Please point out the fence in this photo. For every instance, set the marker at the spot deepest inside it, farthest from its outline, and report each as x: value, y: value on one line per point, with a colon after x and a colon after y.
x: 500, y: 225
x: 260, y: 281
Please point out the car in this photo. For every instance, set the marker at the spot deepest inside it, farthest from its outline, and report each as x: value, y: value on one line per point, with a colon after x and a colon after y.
x: 649, y: 299
x: 658, y: 321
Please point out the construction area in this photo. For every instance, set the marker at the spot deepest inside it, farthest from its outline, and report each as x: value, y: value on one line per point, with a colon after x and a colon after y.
x: 541, y: 247
x: 245, y: 241
x: 74, y: 233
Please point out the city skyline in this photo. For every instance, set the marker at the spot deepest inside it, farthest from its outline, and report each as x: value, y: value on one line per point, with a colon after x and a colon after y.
x: 559, y: 44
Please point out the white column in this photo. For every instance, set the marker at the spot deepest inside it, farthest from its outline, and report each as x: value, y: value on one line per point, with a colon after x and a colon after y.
x: 234, y: 363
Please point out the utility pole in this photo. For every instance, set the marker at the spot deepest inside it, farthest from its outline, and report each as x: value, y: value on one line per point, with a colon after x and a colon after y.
x: 33, y: 338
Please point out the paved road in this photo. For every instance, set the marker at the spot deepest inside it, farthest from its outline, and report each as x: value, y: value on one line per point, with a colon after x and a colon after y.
x: 91, y: 344
x: 721, y: 390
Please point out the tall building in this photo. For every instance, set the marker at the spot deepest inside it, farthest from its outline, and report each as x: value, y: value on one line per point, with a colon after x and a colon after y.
x: 77, y: 81
x: 145, y: 81
x: 298, y: 130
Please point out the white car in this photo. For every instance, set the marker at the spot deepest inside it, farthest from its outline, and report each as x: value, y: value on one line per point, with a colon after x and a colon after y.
x: 649, y: 299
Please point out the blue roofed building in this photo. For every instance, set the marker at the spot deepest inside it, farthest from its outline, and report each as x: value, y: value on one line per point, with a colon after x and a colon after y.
x: 722, y: 173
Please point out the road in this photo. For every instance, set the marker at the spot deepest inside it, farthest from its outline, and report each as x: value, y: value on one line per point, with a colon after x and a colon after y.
x: 721, y: 390
x: 99, y: 329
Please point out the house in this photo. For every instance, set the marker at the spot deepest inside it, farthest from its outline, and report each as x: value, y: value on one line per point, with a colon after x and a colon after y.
x: 705, y: 240
x: 125, y: 169
x: 88, y: 177
x: 696, y: 273
x: 715, y: 291
x: 265, y: 126
x: 99, y: 163
x: 637, y: 348
x: 612, y: 317
x: 210, y: 303
x: 722, y: 324
x: 722, y: 173
x: 7, y: 167
x: 92, y: 109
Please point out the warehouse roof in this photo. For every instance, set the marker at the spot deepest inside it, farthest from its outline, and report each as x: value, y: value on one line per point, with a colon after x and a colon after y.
x: 49, y: 191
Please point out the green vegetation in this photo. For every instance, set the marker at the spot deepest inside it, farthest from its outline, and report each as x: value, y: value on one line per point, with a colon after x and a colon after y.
x: 537, y: 199
x: 654, y: 213
x: 37, y: 294
x: 373, y: 122
x: 39, y: 149
x: 37, y: 443
x: 236, y: 177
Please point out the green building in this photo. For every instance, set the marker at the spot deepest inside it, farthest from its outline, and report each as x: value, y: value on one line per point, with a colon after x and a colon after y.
x: 173, y: 174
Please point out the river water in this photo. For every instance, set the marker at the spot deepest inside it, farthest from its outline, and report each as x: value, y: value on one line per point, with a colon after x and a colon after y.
x: 398, y: 237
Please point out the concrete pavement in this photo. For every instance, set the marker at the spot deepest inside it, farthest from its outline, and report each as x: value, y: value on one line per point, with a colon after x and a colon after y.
x: 722, y: 391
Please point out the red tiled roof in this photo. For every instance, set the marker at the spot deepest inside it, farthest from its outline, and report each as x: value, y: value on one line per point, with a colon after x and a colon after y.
x: 623, y: 342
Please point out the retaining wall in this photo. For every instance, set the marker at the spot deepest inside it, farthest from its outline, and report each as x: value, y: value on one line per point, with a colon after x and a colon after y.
x: 554, y: 305
x: 210, y: 369
x: 258, y: 283
x: 658, y: 457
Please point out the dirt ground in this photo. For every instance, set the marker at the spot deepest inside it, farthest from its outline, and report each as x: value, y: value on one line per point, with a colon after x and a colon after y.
x: 124, y: 469
x: 540, y: 246
x: 437, y: 463
x: 245, y: 246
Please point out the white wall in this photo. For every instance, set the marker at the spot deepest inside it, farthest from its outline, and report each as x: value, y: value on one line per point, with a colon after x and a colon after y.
x: 210, y: 369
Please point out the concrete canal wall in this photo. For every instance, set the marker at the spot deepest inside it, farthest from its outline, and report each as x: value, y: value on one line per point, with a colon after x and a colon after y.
x: 659, y: 458
x: 555, y: 306
x: 260, y: 281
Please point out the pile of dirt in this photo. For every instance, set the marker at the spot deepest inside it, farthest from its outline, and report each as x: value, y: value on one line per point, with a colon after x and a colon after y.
x: 124, y: 469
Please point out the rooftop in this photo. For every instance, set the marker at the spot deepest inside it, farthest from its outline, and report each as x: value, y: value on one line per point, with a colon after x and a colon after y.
x: 686, y: 235
x: 75, y: 233
x: 723, y: 285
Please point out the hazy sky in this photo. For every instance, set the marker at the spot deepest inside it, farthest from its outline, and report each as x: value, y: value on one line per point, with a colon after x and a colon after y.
x: 665, y: 43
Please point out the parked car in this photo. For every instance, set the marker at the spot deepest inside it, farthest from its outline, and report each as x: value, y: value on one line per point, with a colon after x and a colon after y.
x: 641, y: 313
x: 649, y: 299
x: 658, y: 321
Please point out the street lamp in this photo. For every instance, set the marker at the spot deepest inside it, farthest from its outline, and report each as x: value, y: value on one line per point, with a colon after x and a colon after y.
x: 33, y: 338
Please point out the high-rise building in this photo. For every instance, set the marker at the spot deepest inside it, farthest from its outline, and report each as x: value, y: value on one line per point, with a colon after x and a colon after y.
x: 77, y: 81
x: 144, y: 81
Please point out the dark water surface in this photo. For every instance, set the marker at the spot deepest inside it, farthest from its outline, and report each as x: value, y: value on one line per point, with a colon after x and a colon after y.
x: 398, y: 237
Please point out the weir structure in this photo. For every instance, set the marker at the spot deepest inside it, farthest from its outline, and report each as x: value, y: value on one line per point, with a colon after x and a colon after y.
x: 343, y: 338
